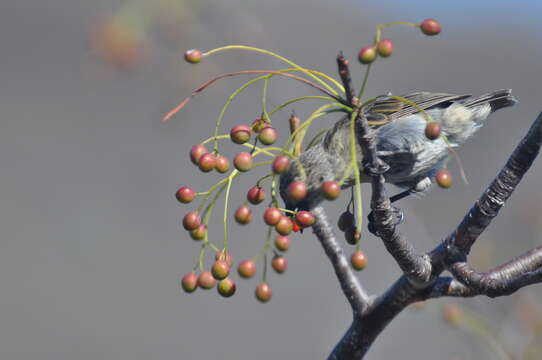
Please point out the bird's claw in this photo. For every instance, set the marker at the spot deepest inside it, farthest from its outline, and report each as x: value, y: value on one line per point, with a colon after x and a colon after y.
x: 397, y: 218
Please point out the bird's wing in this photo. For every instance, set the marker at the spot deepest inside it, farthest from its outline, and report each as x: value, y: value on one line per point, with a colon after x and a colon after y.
x: 386, y: 109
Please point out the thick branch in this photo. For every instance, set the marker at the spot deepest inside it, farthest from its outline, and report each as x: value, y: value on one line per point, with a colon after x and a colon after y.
x: 488, y: 206
x: 352, y: 289
x: 505, y: 279
x: 416, y: 268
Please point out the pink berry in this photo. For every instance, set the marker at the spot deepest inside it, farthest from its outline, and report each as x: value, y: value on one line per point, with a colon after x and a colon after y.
x: 193, y: 56
x: 256, y: 195
x: 331, y: 190
x: 304, y: 218
x: 430, y: 27
x: 280, y: 164
x: 384, y: 47
x: 185, y: 194
x: 222, y: 164
x: 297, y: 190
x: 367, y: 54
x: 243, y: 215
x: 240, y: 134
x: 272, y: 216
x: 191, y: 220
x: 207, y: 162
x: 268, y: 135
x: 197, y: 152
x: 243, y: 161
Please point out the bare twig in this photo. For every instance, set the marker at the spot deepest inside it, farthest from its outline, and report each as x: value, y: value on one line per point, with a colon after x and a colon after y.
x: 352, y: 288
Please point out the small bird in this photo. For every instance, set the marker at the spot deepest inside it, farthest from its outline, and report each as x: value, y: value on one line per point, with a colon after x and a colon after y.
x: 401, y: 143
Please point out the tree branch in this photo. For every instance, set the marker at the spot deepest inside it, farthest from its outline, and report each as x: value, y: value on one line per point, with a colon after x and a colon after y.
x: 352, y: 288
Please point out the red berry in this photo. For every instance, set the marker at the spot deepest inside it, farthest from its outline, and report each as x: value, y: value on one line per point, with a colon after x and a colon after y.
x: 220, y: 269
x: 282, y: 243
x: 197, y: 152
x: 206, y: 280
x: 243, y: 161
x: 280, y: 164
x: 367, y: 54
x: 258, y: 125
x: 430, y: 27
x: 226, y: 287
x: 240, y: 134
x: 185, y: 194
x: 225, y: 256
x: 279, y: 264
x: 243, y: 215
x: 193, y: 56
x: 331, y: 190
x: 207, y: 162
x: 295, y: 122
x: 199, y: 232
x: 304, y: 218
x: 189, y: 282
x: 297, y: 190
x: 432, y: 130
x: 444, y: 179
x: 268, y: 135
x: 263, y: 292
x: 272, y: 216
x: 358, y: 260
x: 191, y: 220
x: 295, y: 227
x: 246, y: 269
x: 346, y: 221
x: 284, y: 226
x: 385, y: 47
x: 222, y: 164
x: 256, y: 195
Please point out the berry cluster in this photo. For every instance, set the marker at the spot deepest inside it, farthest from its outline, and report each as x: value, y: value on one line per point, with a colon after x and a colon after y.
x: 259, y: 139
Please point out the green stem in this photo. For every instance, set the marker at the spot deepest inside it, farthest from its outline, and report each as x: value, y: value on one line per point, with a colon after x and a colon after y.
x: 267, y: 52
x: 264, y: 101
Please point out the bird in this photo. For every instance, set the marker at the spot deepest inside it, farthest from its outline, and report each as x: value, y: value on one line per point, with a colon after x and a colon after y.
x: 401, y: 143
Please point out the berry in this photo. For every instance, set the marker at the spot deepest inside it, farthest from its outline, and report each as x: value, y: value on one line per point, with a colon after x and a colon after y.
x: 331, y: 190
x: 197, y: 152
x: 272, y: 216
x: 258, y: 125
x: 226, y: 287
x: 243, y: 215
x: 193, y: 56
x: 207, y: 162
x: 222, y: 164
x: 279, y: 264
x: 206, y: 280
x: 358, y: 260
x: 280, y: 164
x: 268, y: 135
x: 367, y: 54
x: 191, y: 220
x: 199, y: 232
x: 240, y: 134
x: 297, y: 190
x: 220, y: 270
x: 295, y: 227
x: 282, y: 243
x: 246, y: 269
x: 263, y: 292
x: 295, y: 122
x: 256, y: 195
x: 444, y: 179
x: 304, y: 218
x: 284, y: 226
x: 384, y: 47
x: 352, y: 236
x: 185, y: 194
x: 243, y: 161
x: 189, y: 282
x: 430, y: 27
x: 346, y: 221
x: 432, y: 130
x: 225, y: 256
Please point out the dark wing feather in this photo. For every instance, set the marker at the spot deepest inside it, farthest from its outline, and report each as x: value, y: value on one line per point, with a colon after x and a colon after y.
x: 386, y: 109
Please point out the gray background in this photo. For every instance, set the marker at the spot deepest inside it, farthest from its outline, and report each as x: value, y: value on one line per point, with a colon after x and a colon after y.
x: 91, y: 250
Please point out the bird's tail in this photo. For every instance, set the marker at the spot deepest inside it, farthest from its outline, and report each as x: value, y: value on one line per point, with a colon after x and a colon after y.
x: 496, y: 99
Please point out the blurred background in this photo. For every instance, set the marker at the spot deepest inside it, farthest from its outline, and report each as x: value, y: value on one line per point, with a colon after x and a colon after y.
x: 92, y: 251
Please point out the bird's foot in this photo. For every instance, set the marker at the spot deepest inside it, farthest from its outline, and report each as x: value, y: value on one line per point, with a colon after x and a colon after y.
x: 397, y: 218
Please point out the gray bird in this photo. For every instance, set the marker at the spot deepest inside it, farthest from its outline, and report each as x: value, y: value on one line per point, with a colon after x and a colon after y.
x: 413, y: 159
